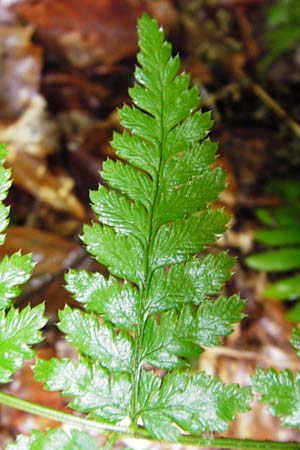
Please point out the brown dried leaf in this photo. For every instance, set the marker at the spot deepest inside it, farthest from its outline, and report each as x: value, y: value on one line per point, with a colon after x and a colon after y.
x: 88, y: 33
x: 21, y: 64
x: 33, y: 175
x: 24, y: 121
x: 228, y: 197
x: 33, y: 132
x: 71, y: 90
x: 53, y: 254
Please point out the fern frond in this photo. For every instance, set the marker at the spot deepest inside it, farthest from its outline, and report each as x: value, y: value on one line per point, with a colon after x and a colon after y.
x: 155, y: 218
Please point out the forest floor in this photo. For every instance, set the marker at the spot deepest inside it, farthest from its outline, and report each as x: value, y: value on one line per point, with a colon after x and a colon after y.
x: 65, y: 68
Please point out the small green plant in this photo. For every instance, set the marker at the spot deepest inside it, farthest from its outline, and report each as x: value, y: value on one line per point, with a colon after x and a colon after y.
x: 283, y: 28
x: 282, y: 234
x: 139, y: 329
x: 281, y: 389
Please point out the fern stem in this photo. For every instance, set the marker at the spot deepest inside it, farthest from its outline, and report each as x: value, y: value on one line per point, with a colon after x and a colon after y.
x: 82, y: 423
x: 238, y: 444
x: 226, y: 443
x: 141, y: 313
x: 53, y: 414
x: 111, y: 440
x: 151, y: 232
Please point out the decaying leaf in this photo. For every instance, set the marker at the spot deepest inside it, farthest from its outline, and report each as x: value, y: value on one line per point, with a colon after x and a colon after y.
x: 21, y: 64
x: 33, y: 175
x: 24, y: 121
x: 52, y: 253
x: 33, y: 132
x: 88, y: 33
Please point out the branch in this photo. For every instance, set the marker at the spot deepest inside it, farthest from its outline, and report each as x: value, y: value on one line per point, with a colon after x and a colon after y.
x: 272, y: 104
x: 140, y: 433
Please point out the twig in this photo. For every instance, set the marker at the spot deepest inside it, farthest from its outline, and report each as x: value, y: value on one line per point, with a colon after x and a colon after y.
x: 140, y: 433
x: 272, y: 104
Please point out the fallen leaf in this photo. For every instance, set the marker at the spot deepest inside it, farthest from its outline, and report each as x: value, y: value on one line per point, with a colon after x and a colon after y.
x: 33, y: 175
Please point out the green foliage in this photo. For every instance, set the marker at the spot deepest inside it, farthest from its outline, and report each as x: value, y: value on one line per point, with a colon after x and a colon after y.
x: 283, y: 234
x: 162, y: 303
x: 54, y: 440
x: 90, y: 387
x: 138, y: 329
x: 18, y: 330
x: 159, y: 307
x: 5, y: 183
x: 283, y: 28
x: 295, y: 340
x: 196, y: 403
x: 281, y: 389
x: 14, y: 271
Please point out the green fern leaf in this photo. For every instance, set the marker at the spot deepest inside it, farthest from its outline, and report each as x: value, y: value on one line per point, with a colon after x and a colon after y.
x: 91, y: 388
x: 136, y: 184
x: 190, y: 282
x: 54, y: 440
x: 99, y: 343
x: 101, y: 296
x: 183, y: 334
x: 183, y: 198
x: 195, y: 403
x: 282, y: 391
x: 117, y: 211
x: 5, y: 183
x: 140, y: 153
x: 14, y: 271
x: 295, y: 340
x: 123, y: 255
x: 175, y: 243
x: 215, y: 319
x: 18, y: 330
x: 156, y: 217
x: 163, y: 344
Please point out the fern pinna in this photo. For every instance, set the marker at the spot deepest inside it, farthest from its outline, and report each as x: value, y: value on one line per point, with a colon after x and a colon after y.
x: 155, y: 218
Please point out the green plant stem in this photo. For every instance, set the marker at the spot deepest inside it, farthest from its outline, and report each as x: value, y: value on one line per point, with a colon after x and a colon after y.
x: 227, y: 443
x: 53, y: 414
x: 238, y: 444
x: 272, y: 104
x: 198, y: 441
x: 141, y: 314
x: 144, y: 288
x: 112, y: 438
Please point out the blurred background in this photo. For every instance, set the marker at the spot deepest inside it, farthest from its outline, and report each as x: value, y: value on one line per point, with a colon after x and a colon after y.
x: 65, y: 66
